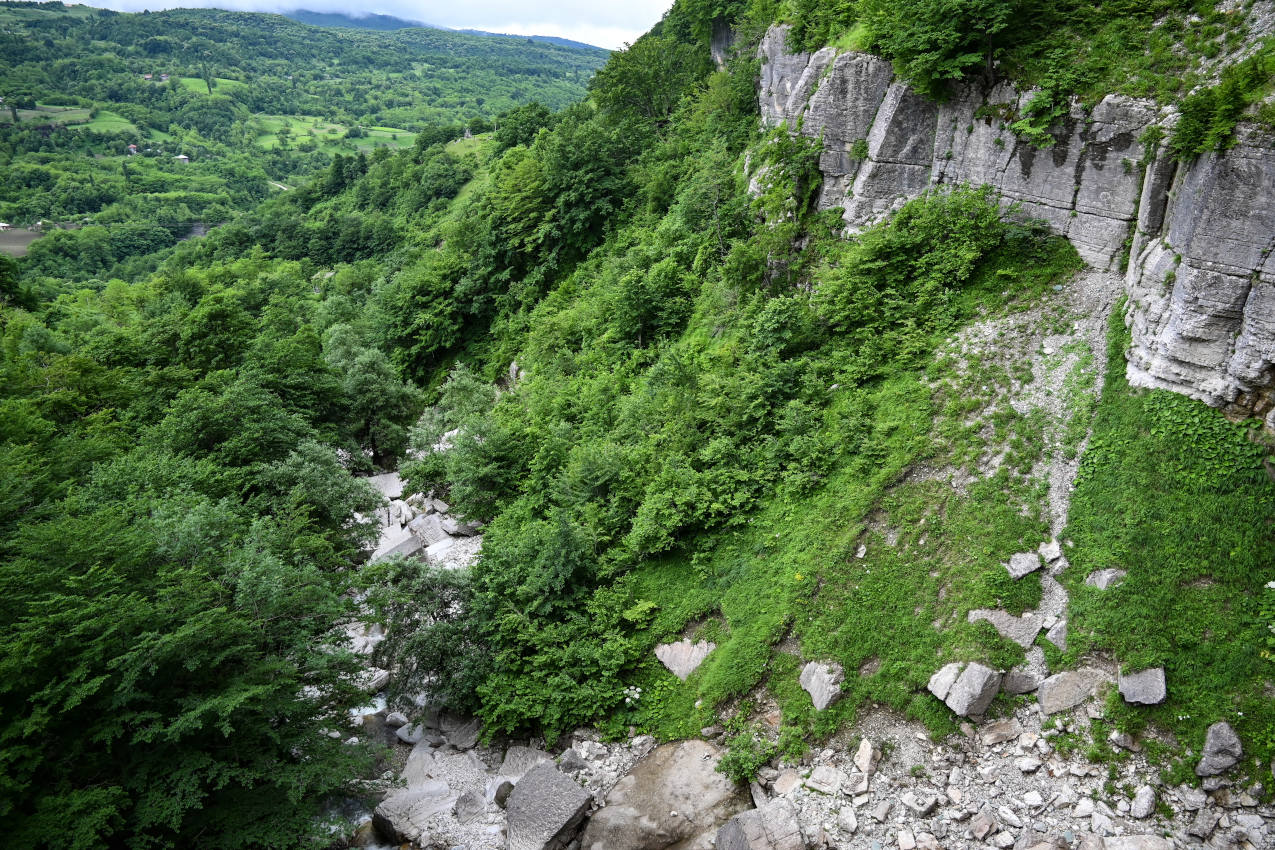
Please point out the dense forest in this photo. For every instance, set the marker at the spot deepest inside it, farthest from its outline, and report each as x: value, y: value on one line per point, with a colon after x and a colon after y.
x: 717, y: 400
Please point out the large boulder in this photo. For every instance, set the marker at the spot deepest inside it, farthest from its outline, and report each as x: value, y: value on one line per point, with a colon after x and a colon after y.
x: 396, y: 541
x: 428, y: 529
x: 1062, y: 691
x: 683, y: 657
x: 1222, y: 749
x: 403, y: 817
x: 673, y: 798
x: 1023, y: 563
x: 420, y: 764
x: 465, y: 735
x: 822, y: 680
x: 519, y: 760
x: 545, y: 809
x: 772, y: 827
x: 967, y: 689
x: 388, y: 484
x: 1146, y: 687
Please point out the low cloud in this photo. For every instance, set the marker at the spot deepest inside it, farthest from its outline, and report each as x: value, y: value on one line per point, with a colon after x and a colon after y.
x: 609, y: 25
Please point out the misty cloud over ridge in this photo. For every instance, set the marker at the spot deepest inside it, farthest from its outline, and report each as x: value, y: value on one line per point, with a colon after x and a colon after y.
x: 608, y: 25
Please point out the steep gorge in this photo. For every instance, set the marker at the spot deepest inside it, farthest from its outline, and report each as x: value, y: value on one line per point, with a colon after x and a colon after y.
x: 1194, y: 239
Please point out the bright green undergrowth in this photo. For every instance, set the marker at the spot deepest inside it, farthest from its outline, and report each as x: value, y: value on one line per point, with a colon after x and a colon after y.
x: 1178, y: 497
x: 722, y: 478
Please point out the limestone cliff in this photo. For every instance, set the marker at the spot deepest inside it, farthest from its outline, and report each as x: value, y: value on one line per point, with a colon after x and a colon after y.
x: 1196, y: 239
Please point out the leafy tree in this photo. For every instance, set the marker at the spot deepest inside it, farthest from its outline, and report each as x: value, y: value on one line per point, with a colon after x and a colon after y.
x: 519, y: 126
x: 934, y: 42
x: 648, y: 79
x: 379, y: 405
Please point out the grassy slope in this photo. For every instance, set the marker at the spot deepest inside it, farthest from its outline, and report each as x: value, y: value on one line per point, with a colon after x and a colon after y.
x: 793, y: 567
x: 1178, y: 497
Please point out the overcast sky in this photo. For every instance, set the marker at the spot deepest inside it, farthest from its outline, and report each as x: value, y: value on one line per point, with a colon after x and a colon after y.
x: 606, y: 24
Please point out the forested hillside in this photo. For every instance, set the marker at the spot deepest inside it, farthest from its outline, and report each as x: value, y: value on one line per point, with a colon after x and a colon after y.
x: 619, y: 332
x: 98, y: 106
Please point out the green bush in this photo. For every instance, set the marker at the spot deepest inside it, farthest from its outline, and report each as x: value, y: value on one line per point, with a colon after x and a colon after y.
x: 746, y: 753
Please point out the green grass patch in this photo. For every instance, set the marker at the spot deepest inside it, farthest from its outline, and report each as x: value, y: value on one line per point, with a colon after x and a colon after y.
x: 109, y: 122
x: 480, y: 147
x: 67, y: 115
x: 200, y: 86
x: 329, y: 137
x: 1177, y: 496
x: 872, y: 568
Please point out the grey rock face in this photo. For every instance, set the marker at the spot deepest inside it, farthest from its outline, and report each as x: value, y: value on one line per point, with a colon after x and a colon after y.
x: 772, y: 827
x: 403, y: 817
x: 465, y: 736
x: 941, y: 682
x: 1023, y: 563
x: 967, y: 690
x: 1057, y: 634
x: 1021, y: 680
x: 1066, y: 690
x: 825, y: 779
x: 1000, y: 732
x: 1201, y: 265
x: 823, y: 682
x: 469, y: 806
x: 572, y: 762
x: 498, y: 790
x: 1137, y: 842
x: 1143, y: 803
x: 396, y: 541
x: 428, y: 529
x: 388, y: 484
x: 519, y: 760
x: 545, y: 810
x: 1222, y: 749
x: 1202, y: 287
x: 1050, y: 551
x: 673, y: 795
x: 974, y: 690
x: 1103, y: 579
x: 1145, y: 687
x: 683, y: 658
x: 420, y: 761
x: 1021, y: 630
x: 410, y: 734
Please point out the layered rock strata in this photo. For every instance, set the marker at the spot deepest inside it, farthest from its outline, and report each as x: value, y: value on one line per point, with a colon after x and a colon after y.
x: 1196, y: 238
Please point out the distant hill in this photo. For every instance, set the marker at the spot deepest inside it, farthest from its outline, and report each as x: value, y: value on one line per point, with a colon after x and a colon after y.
x: 546, y: 39
x: 361, y: 22
x: 388, y: 23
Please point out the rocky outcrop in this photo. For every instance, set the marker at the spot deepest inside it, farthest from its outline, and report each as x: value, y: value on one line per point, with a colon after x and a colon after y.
x: 1062, y: 691
x: 672, y: 798
x: 1197, y: 239
x: 420, y: 526
x: 683, y: 657
x: 1222, y: 749
x: 966, y: 689
x: 1202, y: 281
x: 545, y: 810
x: 1146, y: 687
x: 773, y: 827
x: 822, y: 680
